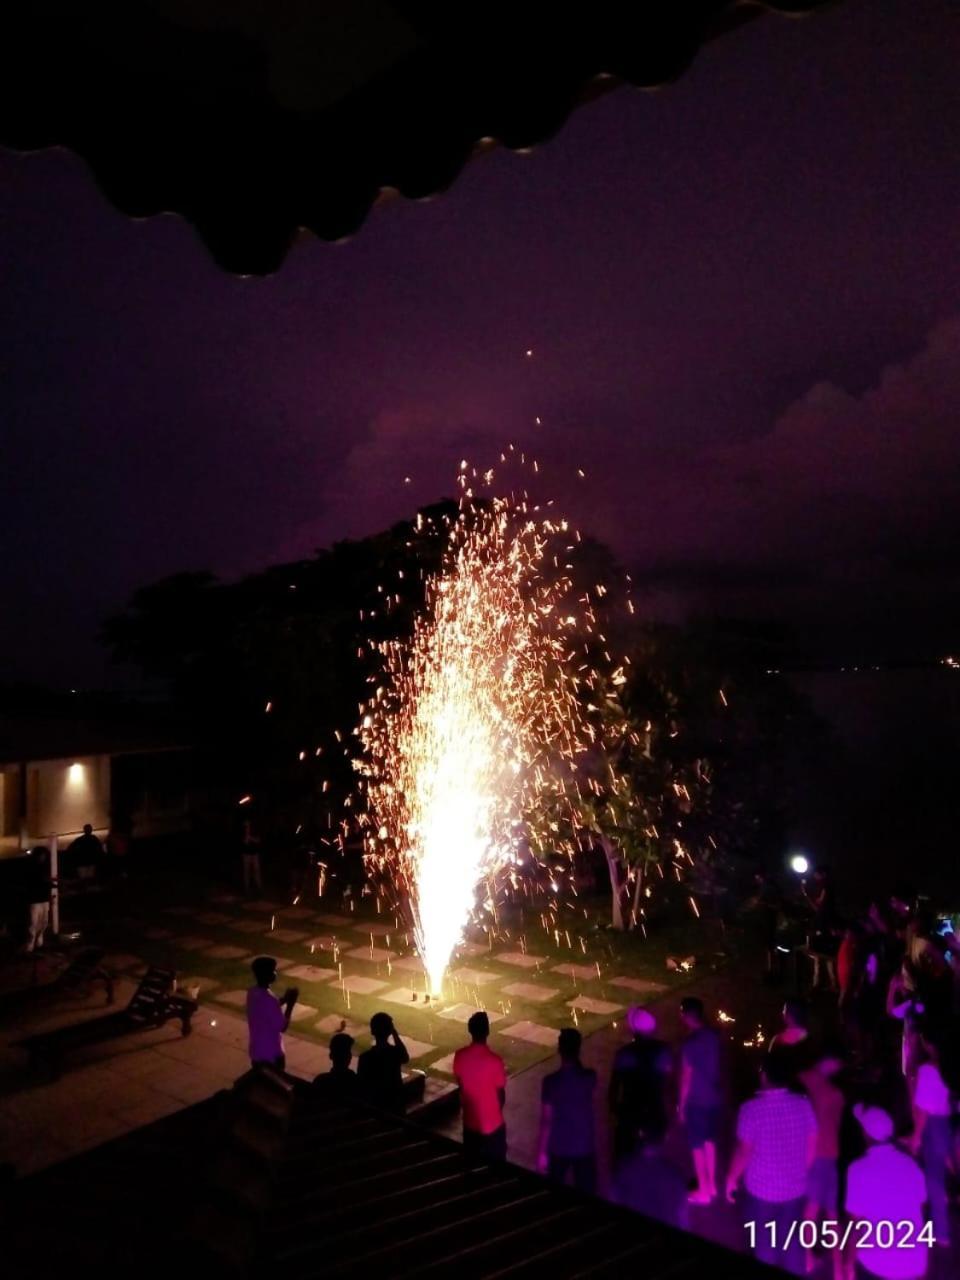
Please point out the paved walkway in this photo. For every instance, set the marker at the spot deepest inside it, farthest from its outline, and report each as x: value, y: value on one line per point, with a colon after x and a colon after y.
x: 107, y: 1090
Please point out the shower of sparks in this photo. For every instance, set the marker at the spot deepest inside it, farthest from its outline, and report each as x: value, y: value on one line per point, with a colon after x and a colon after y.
x: 480, y: 716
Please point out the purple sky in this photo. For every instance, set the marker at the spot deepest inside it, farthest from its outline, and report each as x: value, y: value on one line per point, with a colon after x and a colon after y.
x: 743, y: 298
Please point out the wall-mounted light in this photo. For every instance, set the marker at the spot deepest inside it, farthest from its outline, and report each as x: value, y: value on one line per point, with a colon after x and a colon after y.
x: 75, y: 774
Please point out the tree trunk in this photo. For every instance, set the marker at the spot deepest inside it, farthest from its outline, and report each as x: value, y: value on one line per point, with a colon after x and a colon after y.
x: 635, y: 909
x: 616, y: 886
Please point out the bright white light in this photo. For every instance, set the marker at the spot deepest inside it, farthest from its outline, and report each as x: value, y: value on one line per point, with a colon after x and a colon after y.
x: 799, y: 864
x: 75, y: 774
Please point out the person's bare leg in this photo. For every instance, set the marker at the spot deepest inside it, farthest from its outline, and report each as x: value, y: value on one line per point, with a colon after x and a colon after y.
x: 710, y: 1167
x: 702, y: 1194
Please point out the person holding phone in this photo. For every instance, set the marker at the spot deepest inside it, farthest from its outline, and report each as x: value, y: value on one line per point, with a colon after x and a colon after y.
x: 267, y: 1016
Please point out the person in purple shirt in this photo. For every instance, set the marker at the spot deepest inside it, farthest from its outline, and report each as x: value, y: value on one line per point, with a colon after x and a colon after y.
x: 268, y: 1017
x: 567, y: 1142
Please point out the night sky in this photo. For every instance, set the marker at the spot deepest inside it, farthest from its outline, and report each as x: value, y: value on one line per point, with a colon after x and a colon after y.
x: 742, y: 295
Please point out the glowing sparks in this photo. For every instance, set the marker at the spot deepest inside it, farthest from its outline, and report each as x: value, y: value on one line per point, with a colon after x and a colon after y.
x: 478, y: 720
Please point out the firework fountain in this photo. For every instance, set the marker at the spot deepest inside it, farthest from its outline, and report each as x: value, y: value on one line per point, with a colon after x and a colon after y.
x: 482, y: 714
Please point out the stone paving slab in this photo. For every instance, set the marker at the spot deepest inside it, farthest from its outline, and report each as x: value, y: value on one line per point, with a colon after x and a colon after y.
x: 262, y: 904
x: 224, y: 899
x: 224, y: 951
x: 336, y: 922
x: 587, y: 1004
x: 530, y: 991
x: 463, y: 1012
x: 360, y: 986
x: 378, y: 930
x: 194, y: 944
x: 287, y: 935
x: 443, y: 1064
x: 309, y: 973
x: 417, y: 1048
x: 472, y: 949
x: 519, y: 959
x: 247, y: 926
x: 582, y: 972
x: 301, y: 1011
x: 532, y: 1033
x: 297, y: 913
x: 214, y: 918
x: 643, y: 986
x: 372, y: 954
x: 408, y: 964
x: 473, y: 977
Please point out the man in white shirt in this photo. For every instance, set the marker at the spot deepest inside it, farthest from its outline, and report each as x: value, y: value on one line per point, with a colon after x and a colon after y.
x: 885, y: 1186
x: 268, y: 1017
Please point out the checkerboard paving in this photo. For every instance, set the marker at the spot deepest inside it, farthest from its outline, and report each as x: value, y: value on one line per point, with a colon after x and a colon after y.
x: 309, y: 973
x: 529, y: 991
x: 214, y: 918
x: 582, y: 972
x: 532, y: 1033
x: 408, y: 964
x: 336, y: 922
x: 587, y: 1004
x: 463, y: 1012
x: 473, y: 977
x: 247, y: 926
x: 643, y: 986
x: 194, y: 944
x: 288, y: 935
x: 417, y: 1048
x: 301, y: 1011
x: 226, y: 952
x: 443, y: 1064
x: 374, y: 954
x: 360, y: 986
x: 519, y: 959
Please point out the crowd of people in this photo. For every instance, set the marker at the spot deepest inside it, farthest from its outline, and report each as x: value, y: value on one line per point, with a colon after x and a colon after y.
x: 842, y: 1159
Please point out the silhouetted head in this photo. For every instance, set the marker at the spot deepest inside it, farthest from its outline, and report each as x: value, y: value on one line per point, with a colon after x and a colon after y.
x: 776, y: 1070
x: 795, y: 1014
x: 876, y: 1123
x: 40, y: 855
x: 341, y: 1050
x: 691, y: 1012
x: 87, y: 829
x: 264, y: 971
x: 381, y: 1027
x: 479, y: 1027
x: 568, y: 1044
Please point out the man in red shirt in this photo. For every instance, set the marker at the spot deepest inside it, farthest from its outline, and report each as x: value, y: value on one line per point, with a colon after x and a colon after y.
x: 483, y: 1088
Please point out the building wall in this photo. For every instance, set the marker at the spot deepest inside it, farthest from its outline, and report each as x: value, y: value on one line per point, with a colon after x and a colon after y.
x: 63, y: 795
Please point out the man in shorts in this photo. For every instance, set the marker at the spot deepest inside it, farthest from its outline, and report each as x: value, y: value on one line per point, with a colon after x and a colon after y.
x: 700, y: 1095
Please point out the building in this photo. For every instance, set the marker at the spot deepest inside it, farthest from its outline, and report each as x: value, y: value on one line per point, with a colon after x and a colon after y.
x: 58, y: 772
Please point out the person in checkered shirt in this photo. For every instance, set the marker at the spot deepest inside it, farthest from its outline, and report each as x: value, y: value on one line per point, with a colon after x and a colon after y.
x: 776, y: 1145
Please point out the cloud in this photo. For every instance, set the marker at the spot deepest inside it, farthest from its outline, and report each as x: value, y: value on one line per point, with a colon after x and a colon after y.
x: 859, y: 491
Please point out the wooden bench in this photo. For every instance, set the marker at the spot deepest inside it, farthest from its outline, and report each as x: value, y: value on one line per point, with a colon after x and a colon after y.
x: 152, y: 1005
